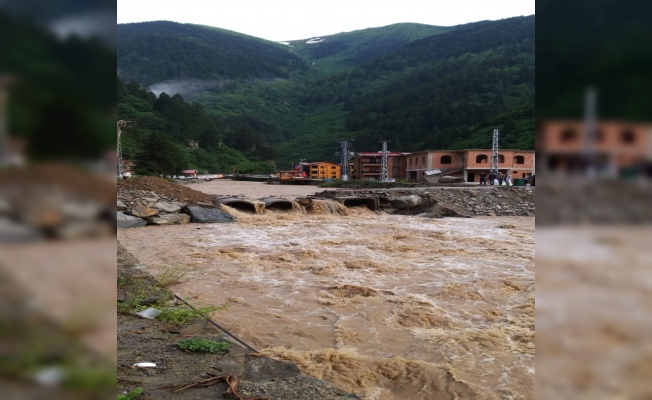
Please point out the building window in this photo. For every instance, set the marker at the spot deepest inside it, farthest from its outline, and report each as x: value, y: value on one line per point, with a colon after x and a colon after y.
x: 482, y: 159
x: 627, y: 137
x: 519, y: 160
x: 501, y: 158
x: 423, y: 160
x: 599, y: 135
x: 416, y: 161
x: 568, y: 135
x: 410, y: 162
x: 446, y: 160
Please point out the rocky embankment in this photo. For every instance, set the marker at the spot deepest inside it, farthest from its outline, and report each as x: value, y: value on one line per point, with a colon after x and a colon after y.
x: 449, y: 201
x: 57, y: 201
x: 156, y: 201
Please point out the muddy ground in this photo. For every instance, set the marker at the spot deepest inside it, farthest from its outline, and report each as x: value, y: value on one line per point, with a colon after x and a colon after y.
x: 145, y: 340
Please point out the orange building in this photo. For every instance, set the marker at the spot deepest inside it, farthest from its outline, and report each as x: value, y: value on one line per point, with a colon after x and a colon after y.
x: 323, y: 170
x: 368, y: 165
x: 566, y: 146
x: 469, y: 163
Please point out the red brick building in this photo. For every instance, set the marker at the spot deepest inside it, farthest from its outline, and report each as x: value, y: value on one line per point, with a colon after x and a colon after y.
x: 368, y: 165
x: 566, y: 145
x: 469, y: 163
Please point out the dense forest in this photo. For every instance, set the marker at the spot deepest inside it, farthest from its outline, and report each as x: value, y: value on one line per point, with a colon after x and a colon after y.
x: 157, y: 51
x: 602, y: 45
x: 166, y: 134
x: 61, y: 100
x: 419, y: 86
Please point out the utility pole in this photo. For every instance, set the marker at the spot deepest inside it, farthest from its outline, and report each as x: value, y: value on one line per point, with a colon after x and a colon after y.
x: 589, y: 159
x: 345, y: 159
x: 121, y: 124
x: 5, y: 82
x: 383, y: 167
x: 494, y: 152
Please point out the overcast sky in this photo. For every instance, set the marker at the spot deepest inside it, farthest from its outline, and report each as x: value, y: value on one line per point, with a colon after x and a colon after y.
x: 279, y: 20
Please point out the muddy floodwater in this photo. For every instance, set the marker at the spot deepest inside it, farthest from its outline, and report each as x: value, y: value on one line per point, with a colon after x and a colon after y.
x: 384, y: 306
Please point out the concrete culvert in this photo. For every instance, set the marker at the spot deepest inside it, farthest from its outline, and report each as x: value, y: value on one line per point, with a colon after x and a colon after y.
x: 369, y: 202
x: 275, y: 204
x: 241, y: 204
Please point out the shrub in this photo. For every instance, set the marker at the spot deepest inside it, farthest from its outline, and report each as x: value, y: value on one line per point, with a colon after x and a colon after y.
x: 131, y: 395
x: 202, y: 345
x: 171, y: 276
x: 180, y: 316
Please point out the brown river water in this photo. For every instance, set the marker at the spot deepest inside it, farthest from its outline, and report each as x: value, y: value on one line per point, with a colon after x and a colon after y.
x: 384, y: 306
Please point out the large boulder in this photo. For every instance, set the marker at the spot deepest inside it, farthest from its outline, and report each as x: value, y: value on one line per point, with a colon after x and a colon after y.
x: 207, y: 214
x: 128, y: 221
x: 143, y: 212
x: 168, y: 207
x: 11, y: 231
x: 169, y: 219
x: 404, y: 202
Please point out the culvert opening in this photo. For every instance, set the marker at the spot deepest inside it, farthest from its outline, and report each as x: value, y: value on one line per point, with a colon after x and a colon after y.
x: 369, y: 203
x: 241, y: 206
x: 384, y: 202
x: 280, y: 206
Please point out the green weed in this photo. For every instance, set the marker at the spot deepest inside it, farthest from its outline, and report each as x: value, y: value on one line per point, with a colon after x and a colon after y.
x: 202, y: 345
x: 131, y: 395
x: 171, y: 276
x: 181, y: 316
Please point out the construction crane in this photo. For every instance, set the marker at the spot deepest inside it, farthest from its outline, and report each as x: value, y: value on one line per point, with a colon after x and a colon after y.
x: 494, y: 152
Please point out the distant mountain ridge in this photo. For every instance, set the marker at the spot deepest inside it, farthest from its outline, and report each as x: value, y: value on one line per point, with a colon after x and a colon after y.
x: 349, y: 49
x: 151, y: 52
x: 419, y: 86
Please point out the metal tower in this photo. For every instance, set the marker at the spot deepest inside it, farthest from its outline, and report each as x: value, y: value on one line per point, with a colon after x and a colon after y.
x: 383, y: 168
x: 346, y: 158
x: 121, y: 124
x: 494, y: 152
x: 590, y: 132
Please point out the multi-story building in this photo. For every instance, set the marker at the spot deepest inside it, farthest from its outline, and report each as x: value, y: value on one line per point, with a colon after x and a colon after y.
x: 469, y: 163
x: 613, y: 148
x: 368, y: 165
x: 323, y: 170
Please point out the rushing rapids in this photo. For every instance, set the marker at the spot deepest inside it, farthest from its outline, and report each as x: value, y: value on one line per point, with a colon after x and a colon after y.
x: 385, y: 306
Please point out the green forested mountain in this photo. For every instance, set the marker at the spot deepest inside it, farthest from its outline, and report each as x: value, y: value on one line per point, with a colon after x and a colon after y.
x: 601, y: 45
x: 341, y: 51
x: 421, y: 87
x: 163, y: 132
x: 151, y: 52
x: 60, y: 100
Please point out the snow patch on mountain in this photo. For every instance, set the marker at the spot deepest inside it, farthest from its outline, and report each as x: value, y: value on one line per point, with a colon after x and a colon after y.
x: 315, y: 40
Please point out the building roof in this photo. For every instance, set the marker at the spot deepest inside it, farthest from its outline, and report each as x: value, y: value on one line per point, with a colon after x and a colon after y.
x: 321, y: 162
x: 380, y: 153
x: 463, y: 150
x: 499, y: 150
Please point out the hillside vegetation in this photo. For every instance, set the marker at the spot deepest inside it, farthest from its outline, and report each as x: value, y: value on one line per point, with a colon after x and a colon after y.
x: 419, y: 86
